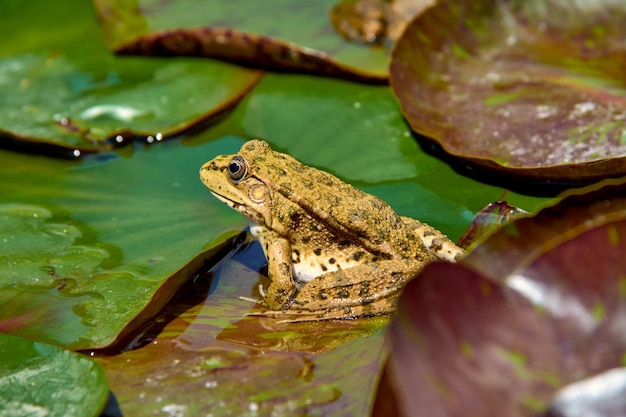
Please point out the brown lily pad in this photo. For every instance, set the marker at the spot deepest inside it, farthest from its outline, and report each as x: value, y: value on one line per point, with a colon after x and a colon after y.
x: 285, y: 35
x: 533, y: 88
x: 537, y: 306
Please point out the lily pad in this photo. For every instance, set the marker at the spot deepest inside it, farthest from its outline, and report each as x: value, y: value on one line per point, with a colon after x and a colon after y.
x: 531, y: 88
x: 537, y: 306
x: 356, y: 133
x: 88, y: 251
x: 42, y: 380
x: 488, y: 221
x: 284, y: 34
x: 62, y: 91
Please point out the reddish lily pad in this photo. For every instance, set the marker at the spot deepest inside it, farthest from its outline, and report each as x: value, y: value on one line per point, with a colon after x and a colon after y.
x: 286, y: 34
x: 62, y: 91
x: 488, y: 221
x: 43, y: 380
x: 533, y: 88
x: 538, y: 305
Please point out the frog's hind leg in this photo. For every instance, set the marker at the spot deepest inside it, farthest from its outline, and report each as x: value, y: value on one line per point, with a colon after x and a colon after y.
x: 368, y: 289
x: 438, y: 243
x: 360, y: 285
x: 365, y: 290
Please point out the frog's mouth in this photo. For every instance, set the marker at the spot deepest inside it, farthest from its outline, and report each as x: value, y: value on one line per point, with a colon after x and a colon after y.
x: 230, y: 203
x: 236, y: 205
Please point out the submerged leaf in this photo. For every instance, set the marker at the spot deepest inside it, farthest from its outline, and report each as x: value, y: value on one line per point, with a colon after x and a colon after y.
x: 202, y: 355
x: 281, y: 34
x: 43, y: 380
x: 65, y: 93
x: 534, y: 88
x: 538, y: 305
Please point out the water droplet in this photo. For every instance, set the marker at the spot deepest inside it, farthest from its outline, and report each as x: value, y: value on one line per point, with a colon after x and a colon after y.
x: 511, y: 40
x: 492, y: 77
x: 582, y: 108
x: 544, y: 111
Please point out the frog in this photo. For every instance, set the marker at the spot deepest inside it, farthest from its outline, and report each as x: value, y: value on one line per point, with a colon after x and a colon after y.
x: 333, y: 251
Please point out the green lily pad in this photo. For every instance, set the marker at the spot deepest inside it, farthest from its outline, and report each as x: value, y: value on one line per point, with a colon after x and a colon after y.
x: 532, y: 88
x: 42, y: 380
x: 283, y: 34
x: 356, y: 133
x: 62, y: 91
x: 90, y: 250
x: 538, y: 305
x: 116, y: 229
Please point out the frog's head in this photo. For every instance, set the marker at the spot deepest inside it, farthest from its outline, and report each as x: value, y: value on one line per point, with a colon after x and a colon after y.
x: 244, y: 182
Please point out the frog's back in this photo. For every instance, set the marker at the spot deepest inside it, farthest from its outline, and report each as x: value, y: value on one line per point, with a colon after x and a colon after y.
x: 326, y: 198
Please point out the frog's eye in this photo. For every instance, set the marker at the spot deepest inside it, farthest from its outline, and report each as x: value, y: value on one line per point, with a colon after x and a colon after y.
x: 237, y: 168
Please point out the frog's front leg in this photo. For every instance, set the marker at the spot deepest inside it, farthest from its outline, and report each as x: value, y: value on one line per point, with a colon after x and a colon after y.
x: 282, y: 288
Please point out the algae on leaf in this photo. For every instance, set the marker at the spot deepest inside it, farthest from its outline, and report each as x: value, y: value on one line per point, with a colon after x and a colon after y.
x: 532, y: 88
